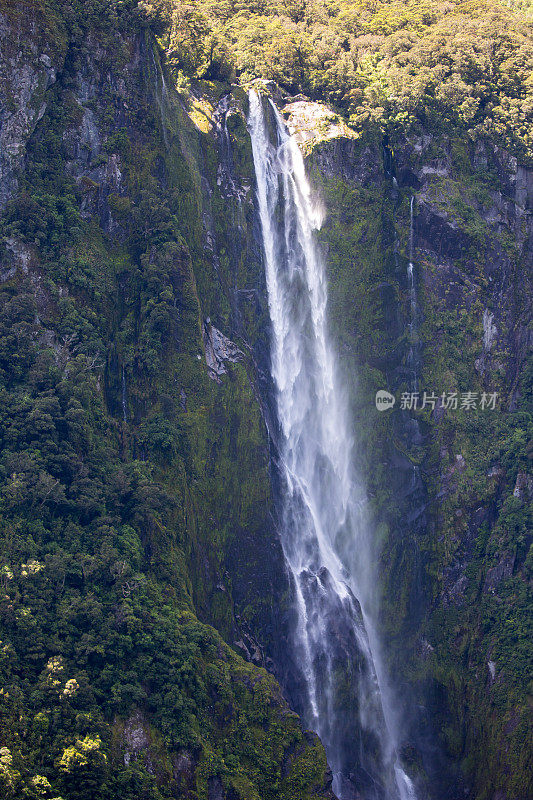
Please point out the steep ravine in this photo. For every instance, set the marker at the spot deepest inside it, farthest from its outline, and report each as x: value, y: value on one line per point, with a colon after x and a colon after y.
x: 132, y: 272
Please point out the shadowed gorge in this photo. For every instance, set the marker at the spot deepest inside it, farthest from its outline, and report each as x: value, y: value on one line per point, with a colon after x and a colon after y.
x: 225, y: 572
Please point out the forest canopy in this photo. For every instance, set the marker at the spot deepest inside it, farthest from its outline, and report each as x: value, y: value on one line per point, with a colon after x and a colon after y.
x: 377, y: 61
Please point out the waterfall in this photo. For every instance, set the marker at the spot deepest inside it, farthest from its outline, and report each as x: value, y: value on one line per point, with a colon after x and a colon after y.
x: 124, y: 396
x: 225, y: 160
x: 343, y: 693
x: 413, y: 354
x: 161, y: 95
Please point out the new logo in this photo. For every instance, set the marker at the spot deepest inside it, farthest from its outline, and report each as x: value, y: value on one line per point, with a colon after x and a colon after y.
x: 384, y: 400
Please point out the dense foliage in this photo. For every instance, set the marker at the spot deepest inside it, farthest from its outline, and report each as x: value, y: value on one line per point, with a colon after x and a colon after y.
x: 126, y: 473
x: 392, y: 64
x: 127, y: 476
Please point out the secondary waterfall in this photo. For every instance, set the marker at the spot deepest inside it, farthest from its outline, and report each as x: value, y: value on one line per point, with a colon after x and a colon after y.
x: 343, y: 694
x: 413, y: 356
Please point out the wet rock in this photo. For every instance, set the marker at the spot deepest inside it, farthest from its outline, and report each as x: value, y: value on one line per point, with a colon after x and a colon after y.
x: 249, y: 647
x: 272, y: 89
x: 18, y: 256
x: 136, y: 740
x: 490, y: 330
x: 215, y: 789
x: 524, y: 188
x: 25, y: 77
x: 523, y: 489
x: 183, y: 765
x: 333, y: 147
x: 436, y: 230
x: 98, y: 171
x: 502, y: 570
x: 426, y: 649
x: 313, y: 122
x: 228, y: 115
x: 347, y: 789
x: 218, y: 350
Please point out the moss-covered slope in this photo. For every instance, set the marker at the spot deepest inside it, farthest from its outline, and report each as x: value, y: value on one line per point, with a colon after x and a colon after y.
x: 134, y: 457
x: 142, y: 585
x: 450, y: 489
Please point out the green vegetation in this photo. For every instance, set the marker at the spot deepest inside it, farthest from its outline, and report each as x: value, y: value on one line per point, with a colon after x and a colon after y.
x: 456, y: 593
x: 128, y: 477
x: 386, y: 64
x: 135, y: 490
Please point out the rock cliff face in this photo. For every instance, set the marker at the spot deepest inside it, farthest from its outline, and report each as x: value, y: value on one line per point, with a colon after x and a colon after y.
x: 445, y: 482
x: 32, y: 51
x: 132, y: 303
x: 139, y: 431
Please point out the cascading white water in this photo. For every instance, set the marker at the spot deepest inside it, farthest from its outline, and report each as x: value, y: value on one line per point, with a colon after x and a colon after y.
x: 410, y: 276
x: 412, y: 356
x: 323, y: 530
x: 124, y: 396
x: 161, y: 94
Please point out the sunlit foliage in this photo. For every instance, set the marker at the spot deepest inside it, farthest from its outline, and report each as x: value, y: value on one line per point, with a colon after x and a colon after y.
x: 388, y: 63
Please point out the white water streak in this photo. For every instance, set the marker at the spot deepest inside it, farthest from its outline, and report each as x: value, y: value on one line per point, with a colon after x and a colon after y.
x: 412, y: 360
x: 324, y: 534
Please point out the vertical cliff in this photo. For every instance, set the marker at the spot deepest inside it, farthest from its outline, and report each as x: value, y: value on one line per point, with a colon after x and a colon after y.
x: 140, y: 562
x: 450, y: 496
x: 144, y: 599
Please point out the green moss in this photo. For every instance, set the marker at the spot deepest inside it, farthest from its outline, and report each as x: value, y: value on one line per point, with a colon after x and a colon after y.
x: 366, y: 235
x: 137, y: 472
